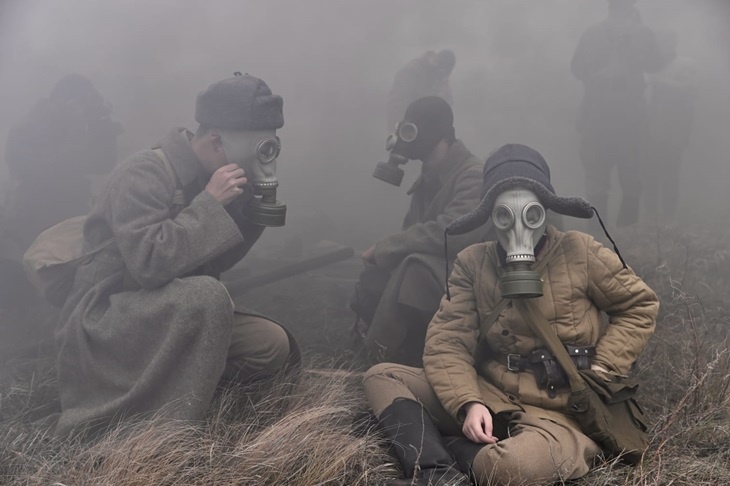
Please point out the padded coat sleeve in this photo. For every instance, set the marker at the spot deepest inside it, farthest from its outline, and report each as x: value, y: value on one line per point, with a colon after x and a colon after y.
x: 451, y: 342
x: 631, y: 305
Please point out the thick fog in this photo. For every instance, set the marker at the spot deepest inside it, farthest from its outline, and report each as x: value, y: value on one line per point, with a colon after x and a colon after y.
x: 333, y: 61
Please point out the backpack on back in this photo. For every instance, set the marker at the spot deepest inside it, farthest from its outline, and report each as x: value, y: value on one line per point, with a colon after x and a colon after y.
x: 51, y: 261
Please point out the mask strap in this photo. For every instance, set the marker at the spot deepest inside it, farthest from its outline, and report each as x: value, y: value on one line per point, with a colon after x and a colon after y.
x: 446, y: 259
x: 605, y: 231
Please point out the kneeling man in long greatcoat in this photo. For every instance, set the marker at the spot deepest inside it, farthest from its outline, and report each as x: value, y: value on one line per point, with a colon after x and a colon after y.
x: 148, y: 327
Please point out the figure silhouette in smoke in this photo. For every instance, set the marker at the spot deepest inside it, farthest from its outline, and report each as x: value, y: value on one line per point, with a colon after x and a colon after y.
x: 672, y: 97
x: 426, y: 75
x: 611, y: 59
x: 50, y: 153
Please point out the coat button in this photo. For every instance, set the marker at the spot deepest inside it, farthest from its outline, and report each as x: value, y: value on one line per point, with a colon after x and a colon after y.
x: 505, y: 332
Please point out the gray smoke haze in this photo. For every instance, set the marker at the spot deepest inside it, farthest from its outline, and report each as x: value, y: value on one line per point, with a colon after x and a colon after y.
x: 333, y: 61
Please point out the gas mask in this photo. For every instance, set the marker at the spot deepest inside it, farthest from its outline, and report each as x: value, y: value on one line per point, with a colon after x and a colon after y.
x: 520, y: 221
x: 425, y: 123
x: 401, y: 151
x: 256, y: 152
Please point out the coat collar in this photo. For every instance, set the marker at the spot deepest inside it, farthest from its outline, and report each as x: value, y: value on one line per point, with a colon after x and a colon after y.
x: 457, y: 155
x: 176, y: 145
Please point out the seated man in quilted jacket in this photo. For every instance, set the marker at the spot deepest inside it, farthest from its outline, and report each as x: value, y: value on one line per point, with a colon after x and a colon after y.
x: 488, y: 380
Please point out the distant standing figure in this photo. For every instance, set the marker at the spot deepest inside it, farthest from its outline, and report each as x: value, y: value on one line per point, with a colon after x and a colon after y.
x: 672, y: 97
x: 49, y: 153
x: 610, y: 60
x: 427, y: 75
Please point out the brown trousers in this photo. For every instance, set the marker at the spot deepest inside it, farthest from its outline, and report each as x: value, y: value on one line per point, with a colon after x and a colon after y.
x: 408, y: 301
x: 537, y: 451
x: 258, y: 347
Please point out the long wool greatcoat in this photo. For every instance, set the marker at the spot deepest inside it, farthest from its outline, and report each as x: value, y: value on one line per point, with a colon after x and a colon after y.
x: 582, y: 279
x: 148, y: 324
x: 438, y: 197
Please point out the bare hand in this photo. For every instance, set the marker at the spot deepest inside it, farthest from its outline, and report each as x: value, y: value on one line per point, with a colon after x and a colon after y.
x: 478, y: 424
x: 368, y: 256
x: 226, y: 183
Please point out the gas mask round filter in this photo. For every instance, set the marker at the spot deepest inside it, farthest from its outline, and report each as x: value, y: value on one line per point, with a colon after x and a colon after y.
x: 256, y: 153
x: 520, y: 221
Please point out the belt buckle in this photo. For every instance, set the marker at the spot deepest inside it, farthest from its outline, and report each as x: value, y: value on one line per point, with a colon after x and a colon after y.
x: 513, y: 362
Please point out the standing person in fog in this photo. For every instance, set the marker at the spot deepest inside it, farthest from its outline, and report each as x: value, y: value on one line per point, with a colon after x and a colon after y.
x: 402, y: 283
x: 427, y: 75
x: 65, y: 138
x: 672, y: 97
x: 148, y: 327
x: 611, y: 59
x: 488, y: 381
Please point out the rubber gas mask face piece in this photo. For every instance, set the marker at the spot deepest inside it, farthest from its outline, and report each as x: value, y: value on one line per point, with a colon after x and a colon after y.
x: 519, y: 220
x: 256, y: 153
x: 390, y: 171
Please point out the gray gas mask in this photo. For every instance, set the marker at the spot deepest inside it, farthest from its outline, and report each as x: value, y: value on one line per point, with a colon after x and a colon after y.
x: 398, y: 144
x: 425, y: 123
x: 520, y: 221
x: 256, y: 152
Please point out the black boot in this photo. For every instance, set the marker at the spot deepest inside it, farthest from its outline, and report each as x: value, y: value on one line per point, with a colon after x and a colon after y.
x: 464, y: 451
x: 419, y: 447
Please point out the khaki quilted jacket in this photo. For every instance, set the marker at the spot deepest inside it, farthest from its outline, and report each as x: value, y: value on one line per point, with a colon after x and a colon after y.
x: 581, y: 280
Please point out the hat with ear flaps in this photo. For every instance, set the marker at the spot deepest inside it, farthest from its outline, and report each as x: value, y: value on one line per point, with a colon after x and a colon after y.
x: 509, y: 167
x: 514, y: 165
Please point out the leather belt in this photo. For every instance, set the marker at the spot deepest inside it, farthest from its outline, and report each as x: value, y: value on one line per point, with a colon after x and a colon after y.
x: 516, y: 362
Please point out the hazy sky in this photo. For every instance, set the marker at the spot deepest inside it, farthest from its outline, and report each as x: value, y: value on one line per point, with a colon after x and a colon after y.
x: 333, y: 61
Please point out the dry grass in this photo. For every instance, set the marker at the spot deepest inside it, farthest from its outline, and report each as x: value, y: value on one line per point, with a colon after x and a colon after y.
x: 282, y: 434
x: 304, y: 433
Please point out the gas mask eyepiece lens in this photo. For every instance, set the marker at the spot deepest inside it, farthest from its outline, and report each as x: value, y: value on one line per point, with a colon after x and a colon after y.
x: 533, y: 215
x: 503, y: 217
x: 268, y: 150
x: 407, y: 131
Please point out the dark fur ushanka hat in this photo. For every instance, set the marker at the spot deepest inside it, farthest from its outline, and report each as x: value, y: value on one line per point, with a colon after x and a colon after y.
x: 511, y: 166
x: 242, y: 102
